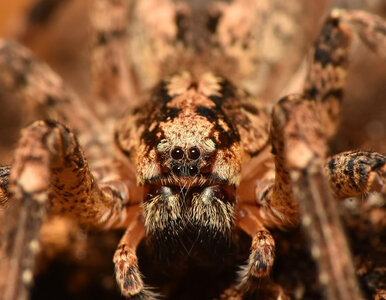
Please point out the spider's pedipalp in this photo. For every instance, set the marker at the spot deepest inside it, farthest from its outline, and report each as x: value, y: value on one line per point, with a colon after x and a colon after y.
x: 127, y: 272
x: 262, y: 254
x: 50, y: 172
x: 278, y: 205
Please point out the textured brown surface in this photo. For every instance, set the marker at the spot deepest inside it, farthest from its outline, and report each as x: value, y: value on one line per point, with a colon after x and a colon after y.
x: 292, y: 261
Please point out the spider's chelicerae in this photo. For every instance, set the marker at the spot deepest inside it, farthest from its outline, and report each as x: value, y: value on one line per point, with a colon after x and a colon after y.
x: 199, y: 158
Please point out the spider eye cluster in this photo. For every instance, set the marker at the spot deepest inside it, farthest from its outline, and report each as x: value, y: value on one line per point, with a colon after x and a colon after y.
x: 185, y: 162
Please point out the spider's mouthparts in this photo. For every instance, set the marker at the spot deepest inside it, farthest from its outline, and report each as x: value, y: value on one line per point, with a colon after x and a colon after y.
x: 200, y: 217
x: 206, y: 194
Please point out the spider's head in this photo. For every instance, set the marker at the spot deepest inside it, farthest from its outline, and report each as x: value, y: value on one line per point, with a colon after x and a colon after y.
x: 187, y: 138
x: 189, y: 160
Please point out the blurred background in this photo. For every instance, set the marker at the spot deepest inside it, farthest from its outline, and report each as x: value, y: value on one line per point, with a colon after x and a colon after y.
x: 78, y: 265
x: 9, y: 11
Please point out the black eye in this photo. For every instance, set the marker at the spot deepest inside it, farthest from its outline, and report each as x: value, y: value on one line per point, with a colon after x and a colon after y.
x: 177, y: 153
x: 177, y: 170
x: 194, y: 153
x: 193, y: 170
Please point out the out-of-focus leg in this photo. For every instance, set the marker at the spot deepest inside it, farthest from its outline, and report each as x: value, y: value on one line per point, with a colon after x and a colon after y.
x: 40, y: 90
x: 326, y: 77
x: 112, y: 78
x: 41, y: 94
x: 356, y: 173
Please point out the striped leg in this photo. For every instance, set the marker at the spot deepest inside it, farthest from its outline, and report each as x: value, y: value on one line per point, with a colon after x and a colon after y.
x: 302, y: 143
x: 301, y: 126
x: 50, y: 171
x: 40, y: 90
x: 356, y: 173
x: 4, y: 192
x: 328, y: 67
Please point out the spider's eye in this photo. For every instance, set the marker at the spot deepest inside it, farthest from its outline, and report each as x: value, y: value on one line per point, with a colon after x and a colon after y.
x: 177, y: 170
x: 177, y: 153
x: 193, y: 170
x: 194, y: 153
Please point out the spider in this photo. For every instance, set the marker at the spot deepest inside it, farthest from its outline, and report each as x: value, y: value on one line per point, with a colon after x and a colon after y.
x: 197, y: 159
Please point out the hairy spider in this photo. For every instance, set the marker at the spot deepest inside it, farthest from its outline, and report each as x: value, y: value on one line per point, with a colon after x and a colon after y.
x: 200, y: 157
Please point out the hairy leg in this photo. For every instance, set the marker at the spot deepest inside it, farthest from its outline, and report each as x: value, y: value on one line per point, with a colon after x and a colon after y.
x: 324, y: 92
x: 125, y: 260
x: 40, y: 89
x: 356, y: 173
x: 304, y: 156
x: 352, y: 173
x: 301, y: 126
x: 50, y: 171
x: 263, y: 245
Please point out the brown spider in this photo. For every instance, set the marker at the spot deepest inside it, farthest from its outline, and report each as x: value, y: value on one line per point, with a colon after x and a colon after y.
x: 197, y: 159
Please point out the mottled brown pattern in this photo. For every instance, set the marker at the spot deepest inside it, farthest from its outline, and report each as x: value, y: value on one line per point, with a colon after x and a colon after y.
x: 183, y: 111
x: 200, y: 157
x: 127, y: 273
x: 356, y: 173
x: 4, y: 180
x: 50, y: 173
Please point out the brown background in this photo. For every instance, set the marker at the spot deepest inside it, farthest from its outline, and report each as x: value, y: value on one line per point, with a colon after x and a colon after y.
x: 65, y: 48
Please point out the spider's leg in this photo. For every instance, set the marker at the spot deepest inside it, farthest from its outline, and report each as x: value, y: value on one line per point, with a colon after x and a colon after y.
x: 4, y: 179
x: 298, y: 144
x: 112, y: 78
x: 351, y: 173
x: 301, y: 127
x: 326, y: 76
x: 356, y: 173
x: 125, y: 260
x: 41, y: 91
x: 261, y: 259
x: 50, y: 171
x: 324, y: 92
x: 43, y: 95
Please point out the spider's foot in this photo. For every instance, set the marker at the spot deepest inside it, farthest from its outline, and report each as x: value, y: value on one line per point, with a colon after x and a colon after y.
x: 261, y: 258
x: 262, y: 255
x: 129, y: 277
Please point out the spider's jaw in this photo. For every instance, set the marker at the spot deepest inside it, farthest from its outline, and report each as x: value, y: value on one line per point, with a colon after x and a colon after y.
x: 179, y: 220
